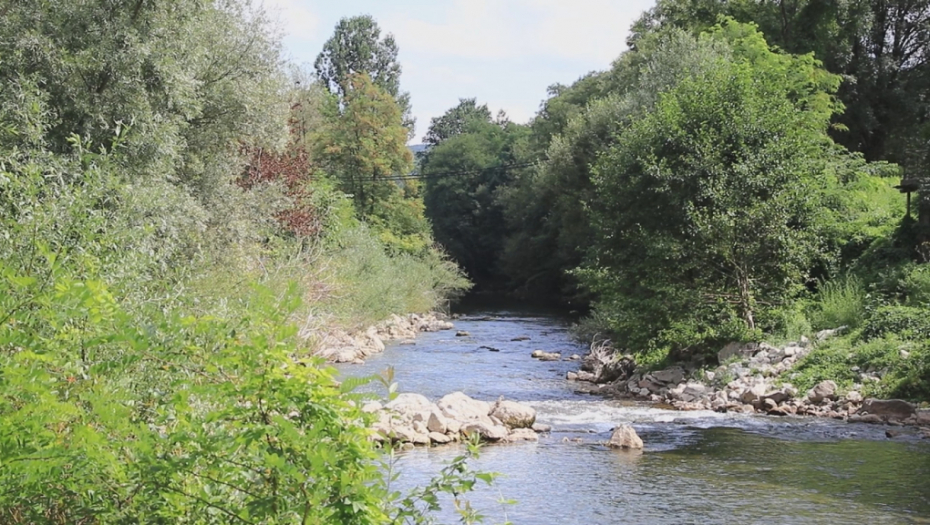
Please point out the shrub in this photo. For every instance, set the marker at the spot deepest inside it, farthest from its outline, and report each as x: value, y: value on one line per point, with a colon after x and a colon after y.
x: 915, y: 285
x: 840, y: 302
x: 906, y: 322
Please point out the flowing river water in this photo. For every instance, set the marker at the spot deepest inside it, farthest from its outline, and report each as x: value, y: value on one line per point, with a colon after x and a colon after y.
x: 697, y: 467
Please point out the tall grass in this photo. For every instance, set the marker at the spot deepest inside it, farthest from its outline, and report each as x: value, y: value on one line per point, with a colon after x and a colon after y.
x: 840, y: 302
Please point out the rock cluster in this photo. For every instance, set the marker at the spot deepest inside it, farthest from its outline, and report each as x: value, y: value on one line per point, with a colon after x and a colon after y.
x: 345, y: 347
x: 412, y: 418
x: 750, y: 379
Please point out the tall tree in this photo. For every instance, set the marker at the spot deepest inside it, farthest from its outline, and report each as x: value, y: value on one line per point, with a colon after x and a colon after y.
x: 456, y: 121
x: 363, y: 145
x: 880, y: 48
x: 357, y: 47
x: 704, y: 205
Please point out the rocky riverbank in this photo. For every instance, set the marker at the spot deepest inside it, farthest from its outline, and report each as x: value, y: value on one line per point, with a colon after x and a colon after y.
x: 339, y: 346
x: 414, y: 419
x: 752, y: 378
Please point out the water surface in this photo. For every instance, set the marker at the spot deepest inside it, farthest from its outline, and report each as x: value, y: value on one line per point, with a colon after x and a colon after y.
x: 697, y: 467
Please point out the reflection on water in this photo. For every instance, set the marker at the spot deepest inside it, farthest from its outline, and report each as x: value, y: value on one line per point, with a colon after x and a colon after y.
x: 698, y: 467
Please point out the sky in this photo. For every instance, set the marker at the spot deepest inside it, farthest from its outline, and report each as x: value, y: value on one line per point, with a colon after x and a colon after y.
x: 505, y: 53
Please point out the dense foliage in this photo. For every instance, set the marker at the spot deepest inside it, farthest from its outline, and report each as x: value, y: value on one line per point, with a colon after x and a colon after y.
x: 170, y: 212
x: 726, y: 179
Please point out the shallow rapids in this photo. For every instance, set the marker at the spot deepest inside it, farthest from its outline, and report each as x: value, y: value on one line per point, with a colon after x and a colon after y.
x: 697, y: 467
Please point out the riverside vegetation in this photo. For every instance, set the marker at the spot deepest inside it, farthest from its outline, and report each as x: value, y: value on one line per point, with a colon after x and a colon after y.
x: 731, y: 178
x: 174, y: 211
x: 184, y: 222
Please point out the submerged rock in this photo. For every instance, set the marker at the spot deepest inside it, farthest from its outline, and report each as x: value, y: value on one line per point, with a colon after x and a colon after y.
x: 542, y: 355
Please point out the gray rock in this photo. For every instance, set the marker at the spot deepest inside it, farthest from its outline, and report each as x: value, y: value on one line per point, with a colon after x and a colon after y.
x: 438, y: 438
x: 753, y: 393
x: 888, y: 409
x: 868, y: 418
x: 409, y: 403
x: 371, y: 407
x: 460, y: 407
x: 669, y: 376
x: 485, y: 431
x: 583, y: 376
x: 778, y: 397
x: 462, y: 333
x: 546, y: 356
x: 514, y: 415
x: 923, y: 417
x: 768, y: 405
x: 823, y: 335
x: 736, y: 350
x: 541, y: 428
x: 436, y: 422
x: 854, y: 397
x: 522, y: 434
x: 625, y: 437
x: 820, y: 392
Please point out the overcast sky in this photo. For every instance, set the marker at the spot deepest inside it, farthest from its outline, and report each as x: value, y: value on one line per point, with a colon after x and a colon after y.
x: 503, y: 52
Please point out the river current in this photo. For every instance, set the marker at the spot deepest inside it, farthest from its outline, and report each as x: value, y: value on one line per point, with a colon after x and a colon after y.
x: 697, y: 467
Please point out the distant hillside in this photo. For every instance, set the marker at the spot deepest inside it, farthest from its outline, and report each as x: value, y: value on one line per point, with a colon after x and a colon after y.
x: 418, y: 148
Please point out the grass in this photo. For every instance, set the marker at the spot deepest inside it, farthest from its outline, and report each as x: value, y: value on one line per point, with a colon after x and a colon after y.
x: 841, y: 302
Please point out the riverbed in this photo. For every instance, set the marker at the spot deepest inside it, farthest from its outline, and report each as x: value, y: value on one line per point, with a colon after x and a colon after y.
x: 697, y: 467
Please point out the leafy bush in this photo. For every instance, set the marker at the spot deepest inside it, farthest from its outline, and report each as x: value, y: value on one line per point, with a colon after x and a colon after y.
x: 787, y: 323
x: 915, y: 285
x: 907, y: 322
x: 843, y: 360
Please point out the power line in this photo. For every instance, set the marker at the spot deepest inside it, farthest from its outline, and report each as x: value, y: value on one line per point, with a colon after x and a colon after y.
x: 442, y: 174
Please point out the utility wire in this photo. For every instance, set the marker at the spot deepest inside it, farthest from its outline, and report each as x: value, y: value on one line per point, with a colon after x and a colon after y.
x: 443, y: 174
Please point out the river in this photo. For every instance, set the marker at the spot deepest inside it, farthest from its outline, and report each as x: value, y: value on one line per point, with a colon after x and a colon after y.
x: 697, y: 467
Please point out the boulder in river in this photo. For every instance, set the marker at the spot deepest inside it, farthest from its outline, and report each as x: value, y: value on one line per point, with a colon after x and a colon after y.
x: 522, y: 434
x: 888, y: 409
x: 625, y: 437
x: 486, y: 431
x: 409, y: 403
x: 514, y: 415
x: 460, y: 407
x: 542, y: 355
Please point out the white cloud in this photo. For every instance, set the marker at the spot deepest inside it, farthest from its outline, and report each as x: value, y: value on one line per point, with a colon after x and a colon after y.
x: 295, y: 18
x: 589, y: 30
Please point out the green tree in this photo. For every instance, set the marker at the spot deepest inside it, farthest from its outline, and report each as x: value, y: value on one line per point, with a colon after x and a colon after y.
x: 881, y: 48
x: 355, y: 48
x: 456, y: 121
x: 704, y: 205
x: 463, y: 177
x: 550, y: 230
x: 363, y: 146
